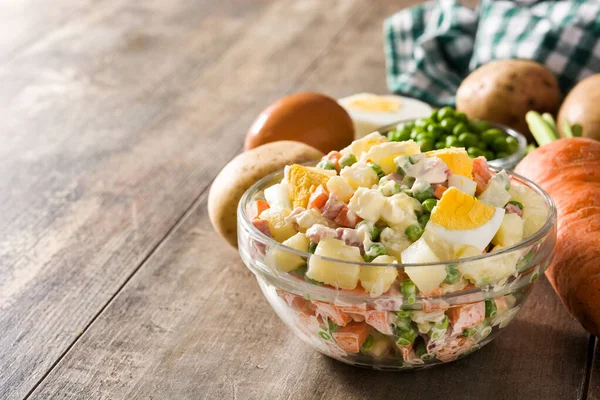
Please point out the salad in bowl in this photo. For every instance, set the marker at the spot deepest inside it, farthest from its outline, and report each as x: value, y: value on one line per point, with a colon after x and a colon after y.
x: 384, y: 256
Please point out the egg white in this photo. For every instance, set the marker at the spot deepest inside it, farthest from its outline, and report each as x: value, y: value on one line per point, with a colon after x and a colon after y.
x: 478, y: 237
x: 366, y: 122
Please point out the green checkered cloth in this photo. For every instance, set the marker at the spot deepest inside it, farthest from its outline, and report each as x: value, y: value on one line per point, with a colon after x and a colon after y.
x: 432, y: 47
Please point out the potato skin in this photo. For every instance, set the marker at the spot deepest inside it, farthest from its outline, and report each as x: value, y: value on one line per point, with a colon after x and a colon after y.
x: 244, y: 171
x: 581, y: 107
x: 503, y: 91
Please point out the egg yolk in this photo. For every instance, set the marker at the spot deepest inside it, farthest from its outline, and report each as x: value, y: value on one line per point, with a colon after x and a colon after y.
x: 304, y: 182
x: 456, y: 158
x: 375, y: 104
x: 457, y: 210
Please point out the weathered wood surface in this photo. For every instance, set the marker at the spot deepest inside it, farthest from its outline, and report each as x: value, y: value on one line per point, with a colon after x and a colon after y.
x: 116, y: 117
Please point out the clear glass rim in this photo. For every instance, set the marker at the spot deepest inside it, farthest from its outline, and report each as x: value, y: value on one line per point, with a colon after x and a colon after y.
x: 512, y: 159
x: 245, y: 222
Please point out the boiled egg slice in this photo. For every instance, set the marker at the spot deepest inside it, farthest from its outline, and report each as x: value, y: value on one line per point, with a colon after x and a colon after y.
x: 370, y: 112
x: 462, y: 219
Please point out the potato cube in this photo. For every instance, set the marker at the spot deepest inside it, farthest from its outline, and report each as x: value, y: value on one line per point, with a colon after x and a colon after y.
x: 342, y: 275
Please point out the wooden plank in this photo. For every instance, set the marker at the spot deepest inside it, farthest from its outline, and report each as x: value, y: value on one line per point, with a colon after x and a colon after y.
x: 193, y: 324
x: 106, y: 130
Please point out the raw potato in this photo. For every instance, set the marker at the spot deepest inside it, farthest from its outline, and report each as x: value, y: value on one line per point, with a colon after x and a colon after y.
x: 581, y: 107
x: 245, y: 170
x: 503, y: 91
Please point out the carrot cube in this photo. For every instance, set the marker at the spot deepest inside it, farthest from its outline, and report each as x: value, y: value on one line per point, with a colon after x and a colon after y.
x: 333, y: 313
x: 318, y: 198
x: 464, y: 317
x: 256, y: 208
x: 352, y: 336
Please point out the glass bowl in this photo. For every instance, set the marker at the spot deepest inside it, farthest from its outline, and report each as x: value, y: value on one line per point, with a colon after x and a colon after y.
x: 392, y: 331
x: 507, y: 163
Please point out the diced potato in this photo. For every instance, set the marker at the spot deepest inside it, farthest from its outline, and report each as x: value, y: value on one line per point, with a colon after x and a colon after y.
x: 510, y: 232
x: 281, y: 228
x: 383, y: 154
x: 362, y: 145
x: 463, y: 184
x: 495, y: 193
x: 535, y: 212
x: 278, y: 195
x: 367, y: 203
x: 377, y: 280
x: 399, y: 210
x: 359, y: 175
x: 488, y: 271
x: 285, y: 260
x: 381, y: 345
x: 342, y: 275
x: 394, y: 241
x: 340, y: 188
x: 427, y: 278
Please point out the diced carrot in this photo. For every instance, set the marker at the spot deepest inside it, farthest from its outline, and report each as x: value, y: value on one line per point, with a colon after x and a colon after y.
x: 262, y: 226
x: 439, y: 191
x: 481, y: 173
x: 334, y: 157
x: 380, y: 320
x: 347, y: 218
x: 256, y: 208
x: 352, y: 308
x: 352, y: 336
x: 318, y: 198
x: 464, y: 317
x: 294, y: 301
x: 332, y: 312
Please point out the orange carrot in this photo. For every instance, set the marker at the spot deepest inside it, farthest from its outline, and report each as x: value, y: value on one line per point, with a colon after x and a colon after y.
x: 463, y: 317
x: 334, y: 157
x: 347, y: 218
x: 256, y: 208
x: 332, y: 312
x: 318, y: 198
x: 439, y: 191
x: 352, y: 336
x: 380, y: 320
x: 481, y: 173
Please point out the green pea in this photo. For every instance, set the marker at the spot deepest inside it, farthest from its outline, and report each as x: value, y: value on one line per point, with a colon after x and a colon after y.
x: 501, y: 154
x: 393, y: 136
x: 409, y: 290
x: 312, y: 247
x: 436, y: 130
x: 377, y: 169
x: 452, y: 274
x: 516, y: 203
x: 347, y: 160
x: 424, y: 219
x: 461, y: 116
x: 326, y: 164
x: 404, y: 134
x: 374, y: 251
x: 415, y: 132
x: 461, y: 127
x: 474, y: 152
x: 490, y: 135
x: 445, y: 112
x: 452, y: 141
x: 429, y: 204
x: 425, y: 136
x: 448, y: 123
x: 500, y: 144
x: 424, y: 195
x: 469, y: 139
x: 389, y: 190
x: 371, y: 229
x: 490, y: 308
x: 426, y: 144
x: 440, y: 145
x: 513, y: 144
x: 434, y: 115
x: 421, y: 122
x: 414, y: 232
x: 479, y: 126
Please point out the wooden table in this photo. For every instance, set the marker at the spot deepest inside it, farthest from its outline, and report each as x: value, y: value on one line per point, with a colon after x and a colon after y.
x: 116, y: 116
